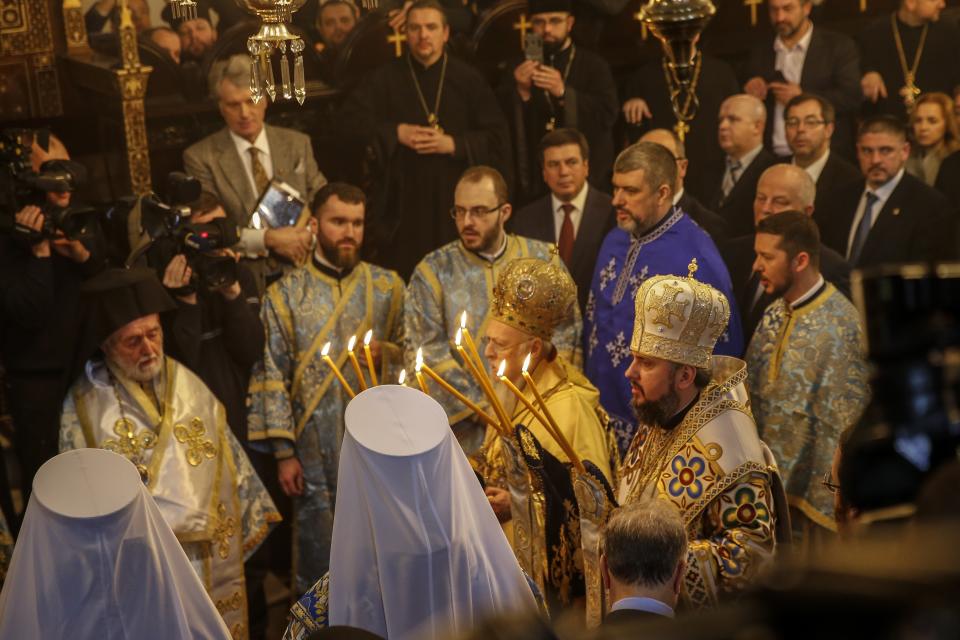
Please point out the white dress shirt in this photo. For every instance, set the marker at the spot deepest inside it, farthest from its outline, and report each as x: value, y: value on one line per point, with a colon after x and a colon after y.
x: 575, y: 216
x: 253, y: 241
x: 650, y: 605
x: 263, y: 147
x: 809, y: 294
x: 883, y: 194
x: 816, y: 167
x: 789, y: 62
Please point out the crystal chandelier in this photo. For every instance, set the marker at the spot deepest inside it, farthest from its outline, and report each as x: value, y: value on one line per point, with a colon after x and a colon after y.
x: 678, y: 25
x: 272, y: 37
x: 183, y: 9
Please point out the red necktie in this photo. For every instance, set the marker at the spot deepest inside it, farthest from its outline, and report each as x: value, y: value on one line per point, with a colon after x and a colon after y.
x: 565, y: 242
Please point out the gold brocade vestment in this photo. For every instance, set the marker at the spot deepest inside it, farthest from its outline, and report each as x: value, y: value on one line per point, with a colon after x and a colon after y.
x: 195, y: 470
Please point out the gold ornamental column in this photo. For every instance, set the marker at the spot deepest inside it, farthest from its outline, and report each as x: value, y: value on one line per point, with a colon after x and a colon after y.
x: 132, y: 82
x: 75, y: 28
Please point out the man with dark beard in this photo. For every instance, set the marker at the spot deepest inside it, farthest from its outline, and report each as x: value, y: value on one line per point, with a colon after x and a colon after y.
x: 696, y: 445
x: 295, y: 404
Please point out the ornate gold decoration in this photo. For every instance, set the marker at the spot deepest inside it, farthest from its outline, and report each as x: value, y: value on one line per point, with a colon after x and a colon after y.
x: 131, y: 444
x: 522, y: 26
x: 226, y: 528
x: 198, y: 445
x: 233, y: 603
x: 75, y: 29
x: 910, y: 91
x: 28, y: 84
x: 274, y: 36
x: 702, y: 311
x: 132, y: 82
x: 534, y: 296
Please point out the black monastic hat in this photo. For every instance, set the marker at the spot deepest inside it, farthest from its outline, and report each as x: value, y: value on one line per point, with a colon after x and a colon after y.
x: 117, y: 297
x: 549, y: 6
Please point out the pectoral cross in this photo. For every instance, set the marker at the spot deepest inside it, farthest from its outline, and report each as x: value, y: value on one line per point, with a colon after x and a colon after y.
x: 681, y: 129
x: 753, y: 4
x: 910, y: 91
x: 397, y: 40
x: 522, y: 26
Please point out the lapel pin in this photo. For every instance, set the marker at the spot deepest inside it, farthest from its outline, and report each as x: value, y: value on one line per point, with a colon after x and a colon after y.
x: 896, y: 211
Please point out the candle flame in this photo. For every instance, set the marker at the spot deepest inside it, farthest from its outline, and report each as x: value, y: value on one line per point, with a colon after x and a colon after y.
x: 419, y: 364
x: 367, y: 337
x: 502, y: 368
x: 325, y: 350
x: 403, y: 376
x: 351, y: 342
x: 459, y: 337
x: 526, y: 363
x: 463, y: 319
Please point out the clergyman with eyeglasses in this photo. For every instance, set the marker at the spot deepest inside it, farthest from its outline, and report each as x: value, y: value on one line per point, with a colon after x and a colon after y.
x: 459, y: 277
x: 810, y: 122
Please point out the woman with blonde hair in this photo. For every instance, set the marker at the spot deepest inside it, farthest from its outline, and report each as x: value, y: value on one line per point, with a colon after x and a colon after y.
x: 935, y: 136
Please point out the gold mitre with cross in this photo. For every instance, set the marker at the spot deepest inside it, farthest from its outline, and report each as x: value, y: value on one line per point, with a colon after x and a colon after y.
x: 533, y: 296
x: 679, y: 319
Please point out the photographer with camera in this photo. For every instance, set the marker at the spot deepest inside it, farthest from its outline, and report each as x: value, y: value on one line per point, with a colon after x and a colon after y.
x: 45, y: 255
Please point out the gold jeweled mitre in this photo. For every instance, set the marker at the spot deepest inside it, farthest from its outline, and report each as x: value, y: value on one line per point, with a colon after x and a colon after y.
x: 534, y: 296
x: 679, y: 319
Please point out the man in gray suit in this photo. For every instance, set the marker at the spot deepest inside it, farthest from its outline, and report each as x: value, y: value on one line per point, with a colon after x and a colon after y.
x: 238, y: 162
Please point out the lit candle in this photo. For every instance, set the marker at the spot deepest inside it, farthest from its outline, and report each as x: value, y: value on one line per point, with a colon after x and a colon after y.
x: 366, y: 351
x: 356, y: 363
x: 402, y: 380
x: 416, y: 372
x: 554, y: 430
x: 422, y: 366
x: 471, y: 347
x: 485, y: 386
x: 325, y: 354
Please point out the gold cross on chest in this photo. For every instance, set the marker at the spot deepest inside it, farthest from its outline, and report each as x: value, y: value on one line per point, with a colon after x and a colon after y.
x: 129, y: 443
x: 681, y: 129
x: 522, y: 26
x: 753, y: 4
x: 198, y: 447
x: 397, y: 40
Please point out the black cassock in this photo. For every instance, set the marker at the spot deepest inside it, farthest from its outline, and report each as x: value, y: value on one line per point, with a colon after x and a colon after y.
x: 412, y: 193
x: 938, y: 70
x: 715, y: 83
x: 589, y: 104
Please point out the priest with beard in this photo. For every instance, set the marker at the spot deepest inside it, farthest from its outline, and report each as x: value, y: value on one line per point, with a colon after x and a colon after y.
x: 696, y: 445
x: 570, y: 87
x: 425, y: 118
x: 295, y: 403
x: 135, y: 401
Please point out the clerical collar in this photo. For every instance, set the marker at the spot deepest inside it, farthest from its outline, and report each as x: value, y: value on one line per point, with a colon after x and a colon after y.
x: 680, y: 415
x: 327, y: 268
x: 493, y: 257
x: 810, y: 295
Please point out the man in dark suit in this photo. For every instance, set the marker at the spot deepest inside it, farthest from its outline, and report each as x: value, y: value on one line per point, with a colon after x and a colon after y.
x: 800, y: 59
x: 810, y: 124
x: 889, y: 216
x: 740, y: 133
x: 782, y: 187
x: 574, y: 215
x: 711, y: 222
x: 643, y: 561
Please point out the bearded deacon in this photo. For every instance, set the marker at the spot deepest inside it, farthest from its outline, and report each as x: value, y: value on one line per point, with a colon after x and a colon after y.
x: 296, y: 404
x: 696, y: 445
x: 133, y: 400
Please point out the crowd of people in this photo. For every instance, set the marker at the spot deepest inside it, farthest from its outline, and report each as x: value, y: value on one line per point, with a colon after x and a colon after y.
x: 668, y: 360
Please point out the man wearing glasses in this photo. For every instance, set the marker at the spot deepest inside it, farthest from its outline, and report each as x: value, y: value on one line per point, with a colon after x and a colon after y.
x: 810, y: 122
x: 459, y: 277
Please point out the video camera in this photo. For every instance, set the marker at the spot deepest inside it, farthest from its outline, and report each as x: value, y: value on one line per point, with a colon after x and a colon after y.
x: 171, y: 232
x: 21, y: 186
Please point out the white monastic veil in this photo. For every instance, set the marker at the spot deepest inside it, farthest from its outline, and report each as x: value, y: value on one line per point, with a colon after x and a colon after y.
x: 417, y: 551
x: 95, y: 559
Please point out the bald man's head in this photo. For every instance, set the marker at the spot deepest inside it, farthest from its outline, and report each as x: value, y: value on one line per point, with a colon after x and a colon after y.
x: 783, y: 187
x: 669, y: 139
x: 740, y: 125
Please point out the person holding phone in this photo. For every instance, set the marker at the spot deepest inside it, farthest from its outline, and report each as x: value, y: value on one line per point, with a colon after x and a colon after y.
x: 558, y: 85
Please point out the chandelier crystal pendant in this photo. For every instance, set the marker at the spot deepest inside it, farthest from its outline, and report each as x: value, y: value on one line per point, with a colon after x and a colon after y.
x: 183, y: 9
x: 678, y: 25
x: 274, y: 37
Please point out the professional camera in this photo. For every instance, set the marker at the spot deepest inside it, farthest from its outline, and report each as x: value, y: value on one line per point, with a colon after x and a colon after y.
x: 171, y: 232
x: 21, y: 186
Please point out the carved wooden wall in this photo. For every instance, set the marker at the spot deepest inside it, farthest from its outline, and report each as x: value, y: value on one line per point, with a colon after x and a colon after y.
x: 29, y: 87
